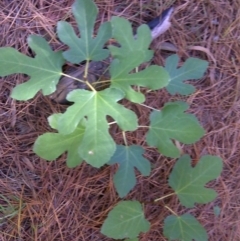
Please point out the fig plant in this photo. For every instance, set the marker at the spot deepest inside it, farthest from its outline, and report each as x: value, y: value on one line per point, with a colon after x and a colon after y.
x: 83, y: 129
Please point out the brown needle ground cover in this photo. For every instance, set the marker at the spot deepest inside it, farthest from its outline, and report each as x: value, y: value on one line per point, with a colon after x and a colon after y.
x: 42, y: 200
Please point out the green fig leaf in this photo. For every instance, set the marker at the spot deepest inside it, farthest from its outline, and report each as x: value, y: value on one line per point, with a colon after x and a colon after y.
x: 51, y: 145
x: 126, y: 220
x: 44, y: 70
x: 184, y: 228
x: 172, y: 123
x: 189, y: 182
x: 123, y: 33
x: 192, y: 69
x: 97, y: 146
x: 128, y: 157
x: 133, y: 51
x: 86, y: 47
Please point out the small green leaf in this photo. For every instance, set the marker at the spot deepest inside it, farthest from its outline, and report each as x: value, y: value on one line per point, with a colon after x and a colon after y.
x: 184, y: 228
x: 126, y: 220
x: 51, y: 145
x: 189, y: 182
x: 172, y: 123
x: 44, y: 70
x: 97, y: 146
x: 134, y: 239
x: 192, y: 69
x: 128, y: 157
x: 217, y: 210
x: 86, y: 47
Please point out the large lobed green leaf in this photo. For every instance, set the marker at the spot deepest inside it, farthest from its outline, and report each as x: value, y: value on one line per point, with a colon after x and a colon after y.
x: 133, y: 51
x: 128, y: 157
x: 172, y: 123
x: 192, y: 69
x: 86, y: 47
x: 189, y: 182
x: 126, y: 220
x: 184, y: 228
x: 51, y: 145
x: 44, y: 70
x: 123, y: 33
x: 97, y: 146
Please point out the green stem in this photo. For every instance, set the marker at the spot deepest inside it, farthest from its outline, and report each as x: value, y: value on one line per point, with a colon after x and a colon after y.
x: 90, y: 86
x: 161, y: 198
x: 171, y: 210
x: 104, y: 81
x: 105, y: 71
x: 124, y: 138
x: 149, y: 107
x: 86, y: 69
x: 71, y: 77
x: 143, y: 126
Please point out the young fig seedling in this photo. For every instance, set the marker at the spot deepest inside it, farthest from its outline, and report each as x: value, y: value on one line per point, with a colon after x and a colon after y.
x: 109, y: 74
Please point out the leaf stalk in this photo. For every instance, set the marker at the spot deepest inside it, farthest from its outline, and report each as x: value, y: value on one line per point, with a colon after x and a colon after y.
x: 124, y: 138
x: 161, y: 198
x: 171, y: 210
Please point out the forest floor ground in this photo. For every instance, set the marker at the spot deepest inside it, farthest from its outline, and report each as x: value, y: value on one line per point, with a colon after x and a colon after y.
x: 47, y: 201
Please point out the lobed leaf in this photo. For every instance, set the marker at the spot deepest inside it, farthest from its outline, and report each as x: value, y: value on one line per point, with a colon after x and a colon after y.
x: 86, y: 47
x: 192, y: 69
x: 133, y: 51
x: 189, y: 182
x: 97, y: 146
x: 172, y: 123
x: 44, y: 70
x: 128, y: 157
x: 184, y: 228
x: 126, y: 220
x: 51, y: 145
x: 122, y: 32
